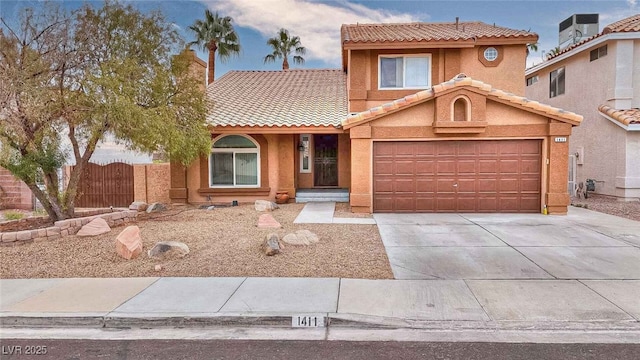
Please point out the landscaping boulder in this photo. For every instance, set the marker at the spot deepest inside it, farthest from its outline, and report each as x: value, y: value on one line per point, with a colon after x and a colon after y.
x: 267, y: 221
x: 301, y: 237
x: 169, y: 249
x: 129, y: 243
x: 264, y: 205
x: 138, y: 206
x: 155, y: 207
x: 95, y: 227
x: 271, y: 244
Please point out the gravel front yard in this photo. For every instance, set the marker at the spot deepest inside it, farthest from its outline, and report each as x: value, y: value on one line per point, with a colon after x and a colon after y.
x: 610, y: 205
x: 223, y: 242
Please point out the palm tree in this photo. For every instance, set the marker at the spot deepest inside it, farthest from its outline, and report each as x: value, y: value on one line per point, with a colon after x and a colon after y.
x: 532, y: 47
x: 215, y: 33
x: 282, y: 45
x: 553, y: 52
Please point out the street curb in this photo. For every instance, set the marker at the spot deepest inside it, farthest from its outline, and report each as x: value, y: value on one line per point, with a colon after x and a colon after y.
x: 331, y: 320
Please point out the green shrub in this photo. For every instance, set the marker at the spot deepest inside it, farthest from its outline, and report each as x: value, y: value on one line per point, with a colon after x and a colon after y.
x: 13, y: 215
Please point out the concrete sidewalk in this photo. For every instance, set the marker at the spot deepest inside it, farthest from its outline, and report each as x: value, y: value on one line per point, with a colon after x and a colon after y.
x: 322, y: 213
x: 478, y: 305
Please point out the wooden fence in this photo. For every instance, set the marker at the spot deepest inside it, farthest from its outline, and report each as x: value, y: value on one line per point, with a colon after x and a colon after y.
x: 106, y: 185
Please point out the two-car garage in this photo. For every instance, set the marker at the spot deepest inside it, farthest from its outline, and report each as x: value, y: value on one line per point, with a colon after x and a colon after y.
x: 457, y: 176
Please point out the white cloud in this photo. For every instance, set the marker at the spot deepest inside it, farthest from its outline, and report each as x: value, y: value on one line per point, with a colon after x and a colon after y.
x: 317, y: 24
x: 632, y: 3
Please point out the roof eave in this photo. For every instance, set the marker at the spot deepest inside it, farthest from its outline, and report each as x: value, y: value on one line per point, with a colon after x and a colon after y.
x: 466, y: 43
x: 586, y: 46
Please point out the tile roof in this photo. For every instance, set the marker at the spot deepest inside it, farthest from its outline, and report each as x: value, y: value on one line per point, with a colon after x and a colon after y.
x: 426, y: 32
x: 278, y: 98
x: 461, y: 80
x: 630, y: 24
x: 625, y: 117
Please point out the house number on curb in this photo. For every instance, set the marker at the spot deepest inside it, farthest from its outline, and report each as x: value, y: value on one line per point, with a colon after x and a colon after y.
x: 561, y: 139
x: 305, y: 321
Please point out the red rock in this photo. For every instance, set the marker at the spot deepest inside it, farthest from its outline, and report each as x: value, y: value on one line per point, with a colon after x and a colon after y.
x: 95, y: 227
x: 129, y: 243
x: 267, y: 221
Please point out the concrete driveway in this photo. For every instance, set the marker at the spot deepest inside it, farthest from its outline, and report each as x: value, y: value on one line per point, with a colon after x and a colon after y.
x: 583, y: 245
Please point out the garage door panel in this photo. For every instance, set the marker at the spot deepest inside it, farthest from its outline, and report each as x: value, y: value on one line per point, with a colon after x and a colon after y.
x: 425, y: 186
x: 404, y: 186
x: 466, y: 167
x: 508, y: 166
x: 425, y: 167
x: 425, y: 204
x: 383, y: 186
x: 530, y: 166
x: 446, y: 167
x: 487, y: 166
x: 383, y: 168
x: 487, y: 186
x: 405, y: 167
x: 491, y: 176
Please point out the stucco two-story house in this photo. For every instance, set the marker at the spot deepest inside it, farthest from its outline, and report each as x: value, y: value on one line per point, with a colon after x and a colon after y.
x: 599, y: 78
x: 421, y: 117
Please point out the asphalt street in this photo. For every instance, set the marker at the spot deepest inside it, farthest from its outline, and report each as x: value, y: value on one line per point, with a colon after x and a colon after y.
x: 325, y: 350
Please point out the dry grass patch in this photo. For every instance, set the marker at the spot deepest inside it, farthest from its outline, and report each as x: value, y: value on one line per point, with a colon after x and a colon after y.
x: 223, y: 242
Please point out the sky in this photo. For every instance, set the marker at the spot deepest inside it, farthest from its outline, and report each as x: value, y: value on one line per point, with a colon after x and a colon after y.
x: 317, y: 22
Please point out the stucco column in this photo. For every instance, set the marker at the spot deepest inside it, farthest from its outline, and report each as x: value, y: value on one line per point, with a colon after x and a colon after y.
x: 178, y: 192
x: 557, y: 196
x: 360, y: 196
x: 286, y: 164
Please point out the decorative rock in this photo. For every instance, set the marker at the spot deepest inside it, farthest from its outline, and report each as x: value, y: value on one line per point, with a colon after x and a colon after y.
x: 158, y: 267
x: 301, y: 237
x: 211, y: 207
x: 138, y: 206
x: 169, y: 248
x: 264, y: 205
x: 129, y: 243
x: 95, y: 227
x: 155, y: 207
x: 267, y: 221
x: 271, y: 245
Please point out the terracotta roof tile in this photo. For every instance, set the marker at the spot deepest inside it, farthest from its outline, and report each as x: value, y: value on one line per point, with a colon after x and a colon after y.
x: 461, y: 81
x: 630, y: 24
x: 625, y: 117
x: 278, y: 98
x: 425, y: 32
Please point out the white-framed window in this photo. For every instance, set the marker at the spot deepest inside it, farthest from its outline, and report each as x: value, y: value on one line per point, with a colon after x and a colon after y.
x: 305, y: 153
x: 596, y: 54
x: 234, y: 162
x: 404, y: 71
x: 532, y: 80
x: 491, y: 54
x: 556, y: 82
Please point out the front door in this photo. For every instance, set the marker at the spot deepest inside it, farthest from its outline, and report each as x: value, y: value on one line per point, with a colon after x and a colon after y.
x: 325, y: 160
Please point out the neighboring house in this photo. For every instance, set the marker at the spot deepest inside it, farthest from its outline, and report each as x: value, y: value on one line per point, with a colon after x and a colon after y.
x: 599, y: 78
x: 399, y: 126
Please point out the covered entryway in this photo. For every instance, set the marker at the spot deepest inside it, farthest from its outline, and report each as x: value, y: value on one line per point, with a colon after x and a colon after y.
x: 325, y: 160
x: 457, y: 176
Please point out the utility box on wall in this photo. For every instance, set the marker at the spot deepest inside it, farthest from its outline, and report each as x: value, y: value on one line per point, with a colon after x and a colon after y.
x: 580, y: 155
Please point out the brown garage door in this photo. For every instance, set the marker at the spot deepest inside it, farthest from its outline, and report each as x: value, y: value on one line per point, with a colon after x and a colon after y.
x: 457, y: 176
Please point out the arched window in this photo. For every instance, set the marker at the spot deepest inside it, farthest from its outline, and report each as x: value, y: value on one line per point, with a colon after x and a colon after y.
x: 234, y: 162
x: 461, y: 109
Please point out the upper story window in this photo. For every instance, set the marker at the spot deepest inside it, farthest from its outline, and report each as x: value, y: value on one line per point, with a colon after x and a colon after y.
x: 596, y: 54
x: 490, y: 54
x: 532, y: 80
x: 404, y: 71
x: 556, y: 82
x: 234, y: 162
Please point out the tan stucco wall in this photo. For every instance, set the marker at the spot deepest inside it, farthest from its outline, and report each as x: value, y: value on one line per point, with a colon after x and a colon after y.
x: 362, y: 77
x: 504, y: 122
x: 279, y: 160
x: 604, y: 145
x: 151, y: 182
